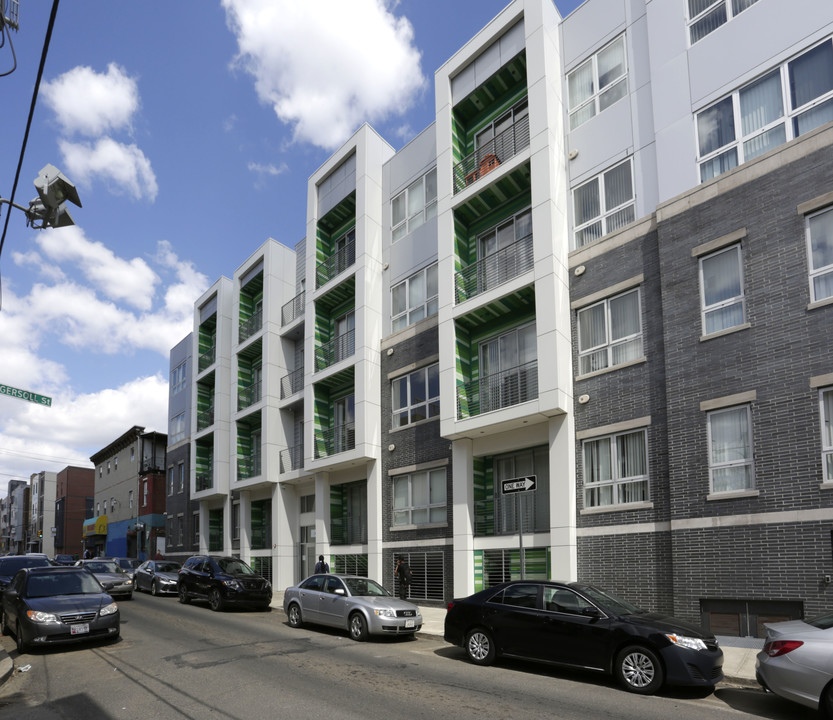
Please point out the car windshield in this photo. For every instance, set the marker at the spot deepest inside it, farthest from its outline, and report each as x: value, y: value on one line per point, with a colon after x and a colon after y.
x: 51, y: 584
x: 103, y: 567
x: 167, y: 567
x: 364, y: 587
x: 822, y: 622
x: 63, y: 558
x: 10, y: 565
x: 125, y: 563
x: 233, y: 566
x: 610, y: 602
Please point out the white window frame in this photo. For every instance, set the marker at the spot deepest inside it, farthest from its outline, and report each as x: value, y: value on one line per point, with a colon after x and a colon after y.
x: 431, y: 403
x: 403, y: 515
x: 745, y: 462
x: 730, y: 9
x: 415, y: 312
x: 618, y: 484
x: 826, y: 412
x: 609, y: 218
x: 823, y: 271
x: 178, y: 378
x: 411, y: 220
x: 130, y: 498
x: 733, y: 152
x: 586, y: 355
x: 596, y: 98
x: 706, y: 310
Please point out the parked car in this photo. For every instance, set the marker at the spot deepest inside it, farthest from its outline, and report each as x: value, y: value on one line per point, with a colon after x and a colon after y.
x: 129, y: 565
x: 113, y: 579
x: 222, y: 581
x: 52, y: 605
x: 583, y: 626
x: 797, y: 662
x: 356, y: 604
x: 63, y: 560
x: 10, y: 564
x: 157, y: 576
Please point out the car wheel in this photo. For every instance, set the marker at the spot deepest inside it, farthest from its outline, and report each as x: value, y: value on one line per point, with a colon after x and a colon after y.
x: 215, y: 600
x: 826, y: 703
x: 129, y: 596
x: 18, y: 636
x: 480, y: 647
x: 4, y: 623
x: 294, y: 614
x: 638, y: 669
x: 153, y: 589
x: 183, y: 595
x: 358, y: 627
x: 135, y: 584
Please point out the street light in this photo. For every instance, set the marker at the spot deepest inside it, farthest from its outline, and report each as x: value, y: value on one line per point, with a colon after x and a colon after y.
x: 49, y: 208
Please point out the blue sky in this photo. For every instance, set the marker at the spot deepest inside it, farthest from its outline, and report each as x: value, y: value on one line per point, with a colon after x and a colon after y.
x: 190, y: 129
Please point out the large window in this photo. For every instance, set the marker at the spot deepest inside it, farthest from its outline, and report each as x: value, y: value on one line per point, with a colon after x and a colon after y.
x: 787, y: 102
x: 826, y: 401
x: 414, y: 205
x: 178, y: 428
x: 820, y: 251
x: 721, y: 289
x: 419, y: 498
x: 178, y: 379
x: 603, y: 204
x: 610, y: 332
x: 416, y: 396
x: 414, y: 298
x: 730, y: 450
x: 705, y: 16
x: 598, y: 82
x: 616, y: 470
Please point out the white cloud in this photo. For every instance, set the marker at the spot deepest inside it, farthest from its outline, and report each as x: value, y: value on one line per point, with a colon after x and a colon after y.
x: 269, y: 169
x: 92, y: 103
x: 124, y: 167
x: 327, y: 66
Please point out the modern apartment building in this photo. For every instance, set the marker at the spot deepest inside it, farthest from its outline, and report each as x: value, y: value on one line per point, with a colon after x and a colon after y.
x: 579, y: 327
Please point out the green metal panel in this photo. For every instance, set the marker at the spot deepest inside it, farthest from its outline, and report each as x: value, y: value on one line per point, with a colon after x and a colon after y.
x: 215, y: 530
x: 261, y: 524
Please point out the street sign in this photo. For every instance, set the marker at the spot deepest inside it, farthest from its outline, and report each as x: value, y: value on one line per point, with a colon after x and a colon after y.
x: 507, y: 487
x: 25, y: 395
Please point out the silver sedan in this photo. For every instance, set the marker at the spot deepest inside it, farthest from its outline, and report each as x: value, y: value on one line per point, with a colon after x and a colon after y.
x: 157, y: 576
x: 797, y: 662
x: 113, y: 579
x: 356, y: 604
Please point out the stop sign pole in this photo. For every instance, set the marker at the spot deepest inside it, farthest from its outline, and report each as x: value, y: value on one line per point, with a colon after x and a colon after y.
x: 519, y: 485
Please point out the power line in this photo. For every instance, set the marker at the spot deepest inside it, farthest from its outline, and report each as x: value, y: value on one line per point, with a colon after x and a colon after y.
x: 42, y: 458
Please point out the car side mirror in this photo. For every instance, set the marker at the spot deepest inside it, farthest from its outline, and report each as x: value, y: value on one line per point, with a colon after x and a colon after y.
x: 340, y: 591
x: 591, y: 611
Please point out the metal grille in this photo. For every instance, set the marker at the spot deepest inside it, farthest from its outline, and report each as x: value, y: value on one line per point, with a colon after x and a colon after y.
x: 498, y: 390
x: 350, y: 564
x: 491, y: 154
x: 250, y: 326
x: 336, y: 350
x: 262, y: 566
x: 293, y: 309
x: 494, y: 269
x: 292, y: 383
x: 77, y: 617
x: 505, y: 565
x: 336, y: 440
x: 335, y: 264
x: 428, y: 580
x: 292, y: 458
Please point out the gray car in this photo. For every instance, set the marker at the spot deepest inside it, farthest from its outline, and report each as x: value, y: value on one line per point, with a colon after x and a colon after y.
x: 797, y: 662
x: 356, y: 604
x: 157, y: 576
x: 113, y: 579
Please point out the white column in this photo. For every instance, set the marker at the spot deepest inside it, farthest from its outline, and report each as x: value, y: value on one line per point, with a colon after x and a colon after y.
x: 245, y: 525
x: 322, y: 514
x: 563, y: 498
x: 374, y: 519
x: 462, y: 462
x: 284, y: 527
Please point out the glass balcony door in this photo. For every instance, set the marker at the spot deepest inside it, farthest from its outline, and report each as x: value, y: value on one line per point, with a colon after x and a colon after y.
x: 505, y: 370
x: 344, y: 418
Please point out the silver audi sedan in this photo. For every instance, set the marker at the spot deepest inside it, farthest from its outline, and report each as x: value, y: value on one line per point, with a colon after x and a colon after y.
x: 356, y: 604
x: 797, y: 662
x: 157, y: 576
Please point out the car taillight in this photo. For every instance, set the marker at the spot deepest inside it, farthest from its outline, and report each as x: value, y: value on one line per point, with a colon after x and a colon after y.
x: 449, y: 606
x: 774, y: 648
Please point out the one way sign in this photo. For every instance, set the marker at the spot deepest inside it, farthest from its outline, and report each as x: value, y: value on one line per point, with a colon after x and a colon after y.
x: 507, y: 487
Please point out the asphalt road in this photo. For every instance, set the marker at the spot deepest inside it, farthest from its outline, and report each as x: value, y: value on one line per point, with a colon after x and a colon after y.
x: 176, y: 661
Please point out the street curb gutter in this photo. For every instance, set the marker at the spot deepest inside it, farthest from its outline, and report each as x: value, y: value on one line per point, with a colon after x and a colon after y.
x: 6, y: 666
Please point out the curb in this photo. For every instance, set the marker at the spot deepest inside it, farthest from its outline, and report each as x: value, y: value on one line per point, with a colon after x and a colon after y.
x: 6, y: 666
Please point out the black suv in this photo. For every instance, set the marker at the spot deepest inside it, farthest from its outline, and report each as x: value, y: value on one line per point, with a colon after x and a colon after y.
x: 222, y: 581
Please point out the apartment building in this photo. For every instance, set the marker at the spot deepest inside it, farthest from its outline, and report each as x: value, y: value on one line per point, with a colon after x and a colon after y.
x: 578, y: 327
x: 74, y: 500
x: 42, y: 531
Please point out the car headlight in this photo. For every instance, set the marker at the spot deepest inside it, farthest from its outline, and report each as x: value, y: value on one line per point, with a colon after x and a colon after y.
x: 385, y: 612
x: 39, y: 616
x: 233, y: 584
x: 687, y: 642
x: 108, y: 609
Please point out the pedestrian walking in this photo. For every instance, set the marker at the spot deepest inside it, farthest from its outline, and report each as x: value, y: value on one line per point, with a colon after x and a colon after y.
x: 403, y: 572
x: 321, y: 566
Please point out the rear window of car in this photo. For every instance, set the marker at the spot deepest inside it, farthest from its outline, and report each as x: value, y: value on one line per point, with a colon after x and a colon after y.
x: 518, y: 596
x: 10, y: 565
x: 316, y: 582
x: 167, y: 567
x: 822, y: 622
x: 103, y: 567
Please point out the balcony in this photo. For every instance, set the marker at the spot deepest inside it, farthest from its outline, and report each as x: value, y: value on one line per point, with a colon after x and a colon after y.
x: 494, y: 270
x: 293, y: 309
x: 250, y: 326
x: 498, y: 390
x: 338, y: 349
x: 292, y: 383
x: 205, y: 481
x: 292, y: 458
x: 249, y: 395
x: 205, y: 419
x: 335, y: 264
x: 488, y: 156
x: 335, y: 440
x: 206, y: 358
x: 248, y: 467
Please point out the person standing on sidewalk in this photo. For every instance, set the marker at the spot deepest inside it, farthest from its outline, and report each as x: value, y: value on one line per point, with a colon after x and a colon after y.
x: 321, y: 566
x: 403, y: 572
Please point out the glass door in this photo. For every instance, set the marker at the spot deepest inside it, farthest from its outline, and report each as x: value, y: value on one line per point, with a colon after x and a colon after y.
x: 344, y: 436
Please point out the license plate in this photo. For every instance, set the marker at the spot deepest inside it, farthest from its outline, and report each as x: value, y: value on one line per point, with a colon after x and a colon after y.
x: 409, y: 623
x: 79, y: 629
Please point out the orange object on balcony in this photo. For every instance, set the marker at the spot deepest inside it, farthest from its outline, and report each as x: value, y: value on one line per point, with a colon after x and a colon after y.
x: 487, y: 164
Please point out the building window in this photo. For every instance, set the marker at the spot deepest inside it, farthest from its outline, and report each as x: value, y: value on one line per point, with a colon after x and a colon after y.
x: 616, y: 470
x: 100, y: 470
x: 721, y: 290
x: 780, y: 106
x: 177, y: 428
x: 730, y: 450
x: 98, y: 508
x: 144, y: 493
x: 181, y: 477
x: 180, y: 528
x: 610, y: 332
x: 419, y: 498
x: 705, y: 16
x: 598, y: 82
x: 178, y: 379
x: 414, y: 206
x: 116, y: 462
x: 307, y: 503
x: 826, y: 401
x: 603, y: 204
x: 130, y: 498
x: 416, y: 396
x: 414, y: 298
x: 112, y: 504
x: 108, y: 467
x: 170, y: 480
x: 820, y: 251
x: 170, y: 529
x: 132, y: 454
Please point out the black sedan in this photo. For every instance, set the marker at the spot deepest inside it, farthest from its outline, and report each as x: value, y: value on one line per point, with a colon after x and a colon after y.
x: 54, y: 605
x: 583, y: 626
x: 156, y: 576
x: 10, y: 564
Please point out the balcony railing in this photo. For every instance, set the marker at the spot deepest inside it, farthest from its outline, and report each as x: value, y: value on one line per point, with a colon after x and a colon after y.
x: 250, y: 326
x: 498, y: 390
x: 293, y: 309
x: 248, y: 395
x: 335, y: 440
x: 292, y: 458
x: 344, y: 346
x: 205, y: 418
x: 335, y: 264
x: 292, y: 383
x: 205, y: 480
x: 491, y: 154
x: 494, y: 270
x: 206, y: 358
x: 248, y: 467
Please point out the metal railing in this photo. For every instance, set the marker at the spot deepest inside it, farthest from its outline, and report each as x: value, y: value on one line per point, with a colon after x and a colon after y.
x: 249, y: 395
x: 498, y: 390
x: 335, y: 440
x: 344, y: 346
x: 205, y: 418
x: 335, y: 264
x: 494, y: 269
x: 293, y: 309
x: 206, y: 358
x: 248, y: 467
x: 250, y: 326
x: 491, y: 154
x: 205, y: 481
x: 292, y: 458
x: 292, y: 383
